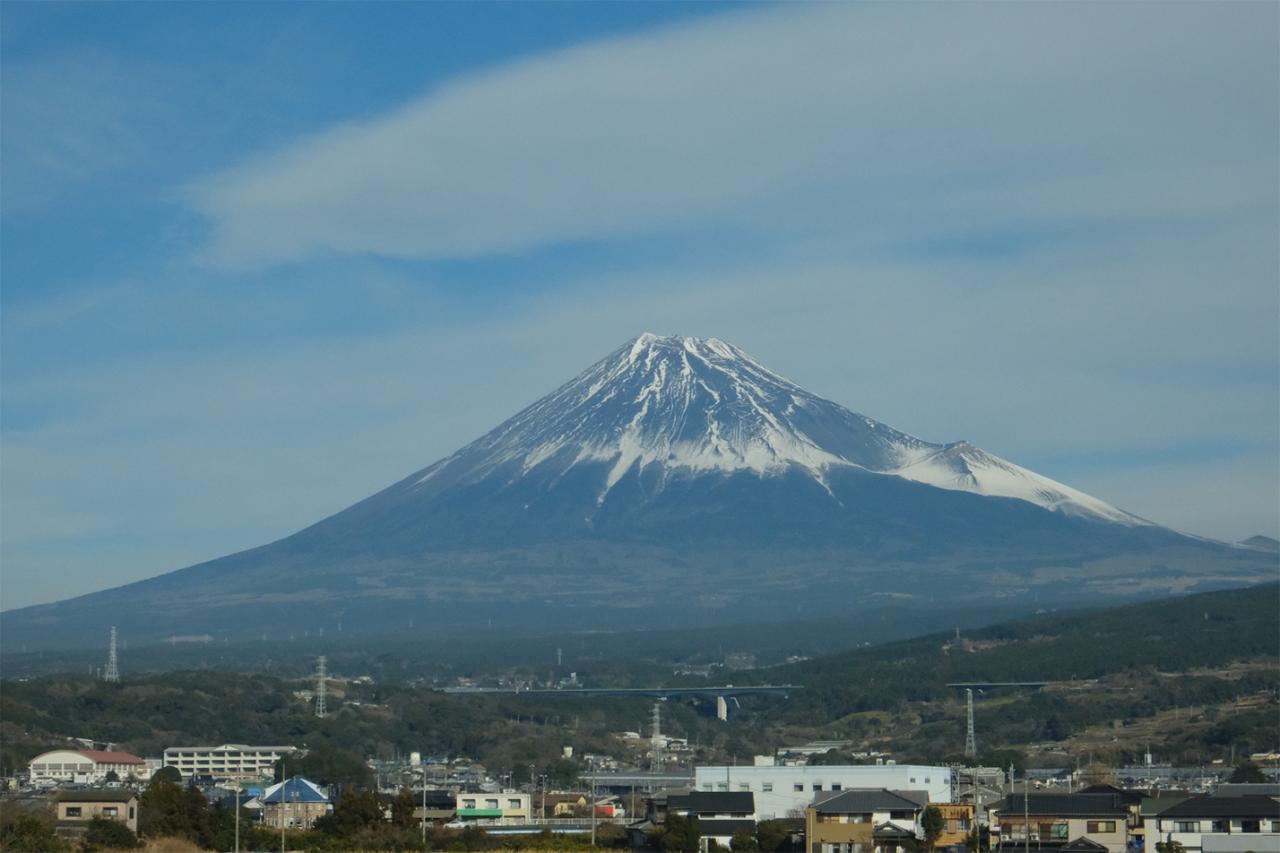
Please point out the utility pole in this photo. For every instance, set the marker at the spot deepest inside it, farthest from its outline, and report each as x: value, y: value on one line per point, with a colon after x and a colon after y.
x: 591, y: 800
x: 1026, y: 814
x: 237, y: 816
x: 655, y: 736
x: 970, y: 741
x: 424, y: 809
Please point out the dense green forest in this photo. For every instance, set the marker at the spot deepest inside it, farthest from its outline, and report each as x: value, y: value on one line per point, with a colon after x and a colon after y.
x: 1213, y: 655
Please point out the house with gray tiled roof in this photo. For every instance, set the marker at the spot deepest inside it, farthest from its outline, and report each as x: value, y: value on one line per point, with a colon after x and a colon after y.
x: 1218, y: 824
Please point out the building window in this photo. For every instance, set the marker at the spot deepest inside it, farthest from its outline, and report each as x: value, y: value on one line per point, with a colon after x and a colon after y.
x: 130, y: 812
x: 1251, y: 826
x: 73, y: 811
x: 1221, y: 826
x: 836, y: 786
x: 490, y: 804
x: 513, y: 804
x: 1056, y: 831
x: 798, y: 787
x: 1275, y: 826
x: 1186, y: 826
x: 744, y: 786
x: 1100, y: 826
x: 817, y: 787
x: 110, y: 811
x: 767, y: 787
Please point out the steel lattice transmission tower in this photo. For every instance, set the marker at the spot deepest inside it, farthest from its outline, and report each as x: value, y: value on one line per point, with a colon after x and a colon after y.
x: 112, y: 672
x: 970, y: 741
x: 322, y: 709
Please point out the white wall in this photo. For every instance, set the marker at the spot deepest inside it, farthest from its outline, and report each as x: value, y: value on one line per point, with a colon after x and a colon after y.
x: 783, y: 797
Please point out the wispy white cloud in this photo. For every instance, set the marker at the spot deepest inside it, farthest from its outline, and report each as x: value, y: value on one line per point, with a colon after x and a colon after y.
x: 1054, y: 360
x: 879, y: 117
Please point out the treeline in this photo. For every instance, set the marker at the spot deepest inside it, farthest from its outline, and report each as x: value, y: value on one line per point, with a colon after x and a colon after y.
x: 1172, y: 635
x: 144, y: 714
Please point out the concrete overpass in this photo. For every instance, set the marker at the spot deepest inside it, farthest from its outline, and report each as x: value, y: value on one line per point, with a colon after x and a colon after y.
x: 725, y: 690
x: 721, y: 692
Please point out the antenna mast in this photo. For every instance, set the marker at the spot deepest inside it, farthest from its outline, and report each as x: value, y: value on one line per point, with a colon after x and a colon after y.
x: 322, y: 709
x: 970, y: 741
x: 112, y: 672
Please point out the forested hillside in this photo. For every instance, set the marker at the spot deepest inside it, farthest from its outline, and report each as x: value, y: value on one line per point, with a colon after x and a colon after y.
x: 1192, y: 677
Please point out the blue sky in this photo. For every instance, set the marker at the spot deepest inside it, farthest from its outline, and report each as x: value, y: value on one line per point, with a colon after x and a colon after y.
x: 260, y: 260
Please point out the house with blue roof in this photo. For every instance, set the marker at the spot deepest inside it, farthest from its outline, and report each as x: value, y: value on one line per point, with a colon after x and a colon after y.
x: 294, y: 804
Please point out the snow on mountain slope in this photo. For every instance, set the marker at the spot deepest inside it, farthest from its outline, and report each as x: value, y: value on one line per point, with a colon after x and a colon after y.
x: 963, y: 467
x: 685, y: 406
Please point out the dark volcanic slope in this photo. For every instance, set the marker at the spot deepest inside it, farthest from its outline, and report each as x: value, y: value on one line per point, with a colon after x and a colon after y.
x: 676, y: 479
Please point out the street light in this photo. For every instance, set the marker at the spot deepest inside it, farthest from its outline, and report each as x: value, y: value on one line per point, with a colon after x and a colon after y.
x: 591, y: 798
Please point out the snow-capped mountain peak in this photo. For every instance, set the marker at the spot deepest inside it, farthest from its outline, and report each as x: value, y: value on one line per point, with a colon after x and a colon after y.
x: 673, y: 406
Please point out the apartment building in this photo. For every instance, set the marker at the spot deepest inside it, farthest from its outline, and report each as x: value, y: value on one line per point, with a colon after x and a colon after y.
x: 228, y: 761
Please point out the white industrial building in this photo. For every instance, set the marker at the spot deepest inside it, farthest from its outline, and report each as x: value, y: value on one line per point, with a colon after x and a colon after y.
x: 228, y: 761
x: 783, y: 791
x: 84, y: 766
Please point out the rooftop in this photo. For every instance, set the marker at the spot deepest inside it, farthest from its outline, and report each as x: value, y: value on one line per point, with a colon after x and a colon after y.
x: 1206, y: 806
x: 866, y: 800
x: 1063, y: 805
x: 713, y: 802
x: 91, y: 795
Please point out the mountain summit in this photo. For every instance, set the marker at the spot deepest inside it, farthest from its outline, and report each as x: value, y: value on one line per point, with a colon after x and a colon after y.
x: 675, y: 480
x: 664, y: 407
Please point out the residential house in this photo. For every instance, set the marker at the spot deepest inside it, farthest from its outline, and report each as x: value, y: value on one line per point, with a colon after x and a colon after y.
x: 1148, y: 810
x: 957, y: 821
x: 75, y: 809
x: 720, y: 814
x: 863, y: 820
x: 1209, y: 824
x: 294, y: 804
x: 1081, y: 822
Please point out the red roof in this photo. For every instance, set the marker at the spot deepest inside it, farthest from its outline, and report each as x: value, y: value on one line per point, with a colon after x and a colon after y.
x: 110, y: 757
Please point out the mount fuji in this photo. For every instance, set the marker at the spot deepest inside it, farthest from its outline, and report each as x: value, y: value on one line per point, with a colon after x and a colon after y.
x: 677, y: 476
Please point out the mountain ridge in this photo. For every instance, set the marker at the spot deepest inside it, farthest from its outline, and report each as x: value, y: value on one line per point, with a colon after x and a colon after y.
x: 677, y: 478
x: 675, y: 377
